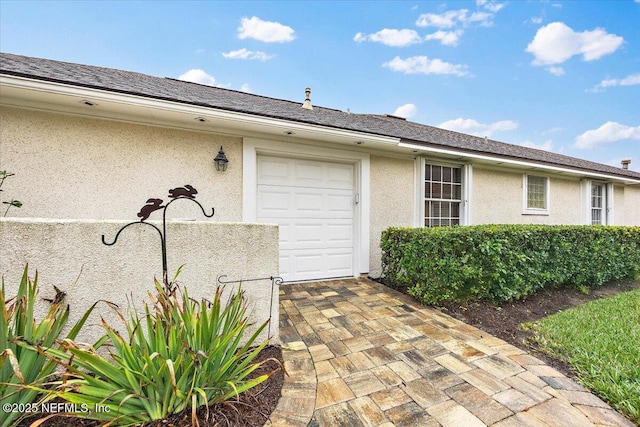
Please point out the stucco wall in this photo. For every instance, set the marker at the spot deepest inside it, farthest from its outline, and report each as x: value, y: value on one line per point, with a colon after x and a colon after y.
x: 498, y: 199
x: 631, y: 205
x: 392, y: 201
x: 65, y: 250
x: 72, y: 167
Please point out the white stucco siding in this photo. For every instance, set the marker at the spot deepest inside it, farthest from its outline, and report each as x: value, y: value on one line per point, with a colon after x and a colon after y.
x: 498, y: 199
x: 631, y: 205
x: 619, y: 193
x: 73, y: 167
x: 392, y: 201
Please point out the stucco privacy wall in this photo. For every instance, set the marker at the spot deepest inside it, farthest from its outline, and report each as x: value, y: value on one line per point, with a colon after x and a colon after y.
x: 65, y: 250
x: 498, y: 199
x: 392, y: 201
x: 73, y: 167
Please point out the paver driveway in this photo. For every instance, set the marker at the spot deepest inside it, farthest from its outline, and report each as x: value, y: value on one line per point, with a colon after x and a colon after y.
x: 360, y: 354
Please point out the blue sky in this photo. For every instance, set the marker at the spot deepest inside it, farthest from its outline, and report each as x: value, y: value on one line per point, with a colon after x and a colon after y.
x: 556, y: 75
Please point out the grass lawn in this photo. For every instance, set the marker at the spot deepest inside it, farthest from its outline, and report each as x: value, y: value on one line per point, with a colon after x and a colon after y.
x: 601, y: 341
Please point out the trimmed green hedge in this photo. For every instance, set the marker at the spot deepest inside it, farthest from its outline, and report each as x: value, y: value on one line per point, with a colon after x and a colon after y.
x: 505, y: 262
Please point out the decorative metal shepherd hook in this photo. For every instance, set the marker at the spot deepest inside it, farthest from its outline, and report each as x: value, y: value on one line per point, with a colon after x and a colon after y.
x: 275, y: 281
x: 187, y: 192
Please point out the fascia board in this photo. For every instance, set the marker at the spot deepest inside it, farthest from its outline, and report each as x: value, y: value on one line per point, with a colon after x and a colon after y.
x: 521, y: 163
x: 210, y: 113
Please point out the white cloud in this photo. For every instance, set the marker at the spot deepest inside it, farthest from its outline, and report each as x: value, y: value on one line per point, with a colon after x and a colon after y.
x: 546, y: 146
x: 536, y: 20
x: 556, y: 71
x: 424, y: 65
x: 390, y: 37
x: 245, y: 88
x: 607, y: 83
x: 474, y: 127
x: 555, y: 43
x: 447, y: 38
x: 491, y: 5
x: 247, y: 54
x: 406, y: 110
x: 198, y: 76
x: 606, y: 134
x: 633, y: 79
x: 482, y: 18
x: 453, y: 18
x: 630, y: 80
x: 265, y: 31
x: 448, y: 19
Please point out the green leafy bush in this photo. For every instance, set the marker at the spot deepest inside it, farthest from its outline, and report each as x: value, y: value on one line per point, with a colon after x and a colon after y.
x: 182, y: 354
x: 23, y: 367
x: 505, y: 262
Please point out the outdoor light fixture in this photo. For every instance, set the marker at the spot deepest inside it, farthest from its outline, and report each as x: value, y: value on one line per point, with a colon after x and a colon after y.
x: 221, y: 161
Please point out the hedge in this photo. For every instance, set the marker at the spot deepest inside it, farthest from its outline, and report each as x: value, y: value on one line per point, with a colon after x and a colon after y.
x: 505, y: 262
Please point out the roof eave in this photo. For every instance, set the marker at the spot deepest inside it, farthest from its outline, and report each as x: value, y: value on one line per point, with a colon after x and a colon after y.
x: 55, y: 93
x: 522, y: 164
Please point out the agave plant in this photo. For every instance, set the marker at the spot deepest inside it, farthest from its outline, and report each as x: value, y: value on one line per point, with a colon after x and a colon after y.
x: 180, y: 355
x: 24, y: 370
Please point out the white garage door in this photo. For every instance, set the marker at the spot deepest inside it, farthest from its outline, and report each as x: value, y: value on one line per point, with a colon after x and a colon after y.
x: 313, y: 203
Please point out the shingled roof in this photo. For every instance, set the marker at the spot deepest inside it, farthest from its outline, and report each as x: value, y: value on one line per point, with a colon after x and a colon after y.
x: 174, y: 90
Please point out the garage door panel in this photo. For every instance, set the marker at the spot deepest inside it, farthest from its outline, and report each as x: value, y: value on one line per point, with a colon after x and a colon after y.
x: 308, y: 235
x: 305, y: 234
x: 308, y: 202
x: 340, y: 235
x: 308, y: 173
x: 340, y: 176
x: 304, y: 173
x: 294, y: 202
x: 340, y: 204
x: 274, y: 170
x: 312, y: 202
x: 273, y: 202
x: 312, y: 264
x: 340, y: 263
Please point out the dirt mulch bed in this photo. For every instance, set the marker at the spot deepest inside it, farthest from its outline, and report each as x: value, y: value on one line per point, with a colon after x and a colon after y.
x: 251, y: 409
x: 504, y: 321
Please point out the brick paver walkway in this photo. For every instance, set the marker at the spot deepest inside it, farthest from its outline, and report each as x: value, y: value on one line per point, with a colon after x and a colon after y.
x: 360, y: 354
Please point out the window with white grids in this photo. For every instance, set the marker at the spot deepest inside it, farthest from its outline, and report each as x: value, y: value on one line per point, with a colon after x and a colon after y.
x: 598, y: 204
x: 443, y: 195
x: 536, y: 194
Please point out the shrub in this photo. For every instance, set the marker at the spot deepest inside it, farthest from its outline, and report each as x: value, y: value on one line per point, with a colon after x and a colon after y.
x: 505, y: 262
x: 23, y: 367
x: 182, y: 354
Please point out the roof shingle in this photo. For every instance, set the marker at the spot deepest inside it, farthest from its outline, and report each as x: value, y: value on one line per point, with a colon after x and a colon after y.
x: 169, y: 89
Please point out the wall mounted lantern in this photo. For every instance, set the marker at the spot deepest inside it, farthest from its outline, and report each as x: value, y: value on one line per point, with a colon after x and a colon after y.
x: 221, y: 161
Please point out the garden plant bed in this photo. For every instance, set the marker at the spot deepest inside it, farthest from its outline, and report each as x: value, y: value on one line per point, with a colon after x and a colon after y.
x: 251, y: 409
x: 504, y: 320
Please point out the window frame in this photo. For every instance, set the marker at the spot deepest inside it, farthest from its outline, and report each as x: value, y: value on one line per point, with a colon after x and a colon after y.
x: 462, y: 202
x: 526, y: 209
x: 603, y: 203
x: 607, y: 208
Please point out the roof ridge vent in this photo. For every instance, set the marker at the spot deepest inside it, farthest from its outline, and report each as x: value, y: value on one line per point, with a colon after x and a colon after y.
x: 307, y: 99
x: 391, y: 116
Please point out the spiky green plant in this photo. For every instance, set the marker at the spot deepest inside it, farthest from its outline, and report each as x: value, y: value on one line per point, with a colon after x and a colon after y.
x: 24, y: 368
x: 180, y: 355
